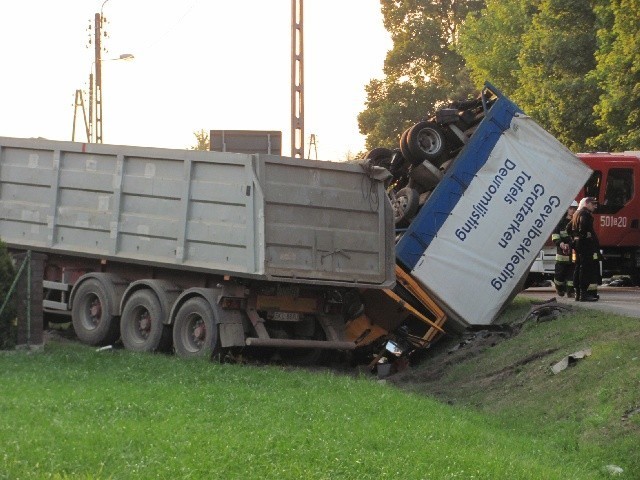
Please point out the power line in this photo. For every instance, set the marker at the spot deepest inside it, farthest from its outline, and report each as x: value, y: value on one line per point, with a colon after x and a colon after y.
x: 172, y: 27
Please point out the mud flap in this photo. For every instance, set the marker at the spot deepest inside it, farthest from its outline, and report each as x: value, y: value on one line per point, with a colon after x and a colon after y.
x: 231, y: 329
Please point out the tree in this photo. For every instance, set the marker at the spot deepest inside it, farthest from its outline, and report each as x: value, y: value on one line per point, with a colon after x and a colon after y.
x: 202, y: 140
x: 618, y: 76
x: 491, y: 40
x: 558, y: 53
x: 422, y: 70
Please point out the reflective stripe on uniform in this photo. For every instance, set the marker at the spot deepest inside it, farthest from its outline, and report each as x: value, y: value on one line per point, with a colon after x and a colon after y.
x: 563, y: 258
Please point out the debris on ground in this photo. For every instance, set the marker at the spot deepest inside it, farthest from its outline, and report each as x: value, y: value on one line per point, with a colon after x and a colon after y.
x: 470, y: 337
x: 544, y: 311
x: 570, y: 360
x: 619, y: 282
x: 630, y: 413
x: 613, y: 470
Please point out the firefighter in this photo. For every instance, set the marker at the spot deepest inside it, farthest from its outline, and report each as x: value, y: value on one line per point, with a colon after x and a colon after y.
x: 563, y: 276
x: 587, y: 250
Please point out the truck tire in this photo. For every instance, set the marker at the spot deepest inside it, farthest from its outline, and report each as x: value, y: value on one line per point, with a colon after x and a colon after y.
x: 426, y: 141
x: 91, y: 315
x: 195, y: 330
x: 305, y: 357
x: 380, y: 157
x: 141, y: 323
x: 404, y: 149
x: 405, y: 206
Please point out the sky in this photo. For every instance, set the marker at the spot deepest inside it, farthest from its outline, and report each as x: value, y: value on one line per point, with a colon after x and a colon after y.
x: 199, y: 64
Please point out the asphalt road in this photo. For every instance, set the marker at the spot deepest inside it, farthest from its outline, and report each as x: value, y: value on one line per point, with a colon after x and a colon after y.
x: 619, y: 300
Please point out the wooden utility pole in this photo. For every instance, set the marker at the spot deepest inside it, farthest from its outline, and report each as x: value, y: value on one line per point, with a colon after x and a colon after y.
x: 297, y: 80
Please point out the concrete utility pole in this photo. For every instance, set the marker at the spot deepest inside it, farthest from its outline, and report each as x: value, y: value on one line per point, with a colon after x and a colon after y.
x: 79, y: 103
x: 297, y: 81
x: 313, y: 145
x: 98, y: 77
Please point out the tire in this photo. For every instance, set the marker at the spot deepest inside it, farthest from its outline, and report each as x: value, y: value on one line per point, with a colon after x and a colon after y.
x: 405, y: 206
x: 426, y: 141
x: 404, y: 149
x: 195, y: 330
x: 91, y: 315
x: 304, y: 357
x: 380, y: 157
x: 141, y: 323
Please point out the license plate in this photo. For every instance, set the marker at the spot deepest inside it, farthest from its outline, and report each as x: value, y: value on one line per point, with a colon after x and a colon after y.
x: 286, y: 317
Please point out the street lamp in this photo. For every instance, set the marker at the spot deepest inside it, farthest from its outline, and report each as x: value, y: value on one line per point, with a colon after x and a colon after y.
x: 97, y: 92
x: 95, y: 85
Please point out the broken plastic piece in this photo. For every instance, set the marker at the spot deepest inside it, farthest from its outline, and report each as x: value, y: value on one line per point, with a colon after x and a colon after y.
x: 570, y: 360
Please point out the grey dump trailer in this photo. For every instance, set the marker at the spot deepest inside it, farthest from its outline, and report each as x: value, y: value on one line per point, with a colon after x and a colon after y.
x: 201, y: 251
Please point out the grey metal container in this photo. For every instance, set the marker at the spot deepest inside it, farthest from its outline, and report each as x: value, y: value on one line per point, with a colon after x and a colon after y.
x: 256, y: 216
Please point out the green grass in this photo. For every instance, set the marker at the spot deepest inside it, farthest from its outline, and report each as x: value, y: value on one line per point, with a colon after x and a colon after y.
x: 70, y: 412
x: 583, y: 410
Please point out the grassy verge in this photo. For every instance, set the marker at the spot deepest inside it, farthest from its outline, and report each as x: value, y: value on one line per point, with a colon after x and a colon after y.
x: 591, y: 409
x: 70, y: 412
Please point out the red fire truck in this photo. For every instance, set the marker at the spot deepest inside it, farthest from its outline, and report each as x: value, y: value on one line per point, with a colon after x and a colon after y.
x: 615, y: 182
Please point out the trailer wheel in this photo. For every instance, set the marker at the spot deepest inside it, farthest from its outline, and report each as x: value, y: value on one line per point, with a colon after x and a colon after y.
x: 426, y: 141
x: 141, y: 325
x: 195, y: 330
x: 91, y: 315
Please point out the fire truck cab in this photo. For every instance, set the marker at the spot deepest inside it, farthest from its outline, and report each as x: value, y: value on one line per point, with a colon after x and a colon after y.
x: 615, y: 182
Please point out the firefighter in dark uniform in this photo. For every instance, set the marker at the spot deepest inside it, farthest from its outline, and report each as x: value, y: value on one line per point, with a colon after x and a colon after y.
x: 587, y: 250
x: 563, y: 276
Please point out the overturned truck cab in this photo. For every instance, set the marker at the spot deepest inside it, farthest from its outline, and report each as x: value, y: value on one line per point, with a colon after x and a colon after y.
x: 471, y: 244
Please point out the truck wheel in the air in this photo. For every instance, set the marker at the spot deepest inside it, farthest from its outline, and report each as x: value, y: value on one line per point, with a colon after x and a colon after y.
x: 380, y: 157
x: 195, y: 330
x: 404, y: 149
x: 141, y: 323
x: 91, y: 314
x: 426, y: 141
x: 405, y: 206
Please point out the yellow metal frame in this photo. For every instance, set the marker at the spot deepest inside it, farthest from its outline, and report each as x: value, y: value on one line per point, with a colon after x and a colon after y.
x: 425, y: 300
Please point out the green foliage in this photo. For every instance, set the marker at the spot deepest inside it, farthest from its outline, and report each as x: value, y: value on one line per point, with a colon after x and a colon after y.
x: 556, y: 57
x: 7, y: 319
x: 490, y: 42
x: 202, y: 140
x: 618, y: 76
x: 120, y: 414
x: 422, y: 70
x: 573, y: 65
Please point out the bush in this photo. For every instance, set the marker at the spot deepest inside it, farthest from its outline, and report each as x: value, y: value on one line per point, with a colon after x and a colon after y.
x: 8, y: 330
